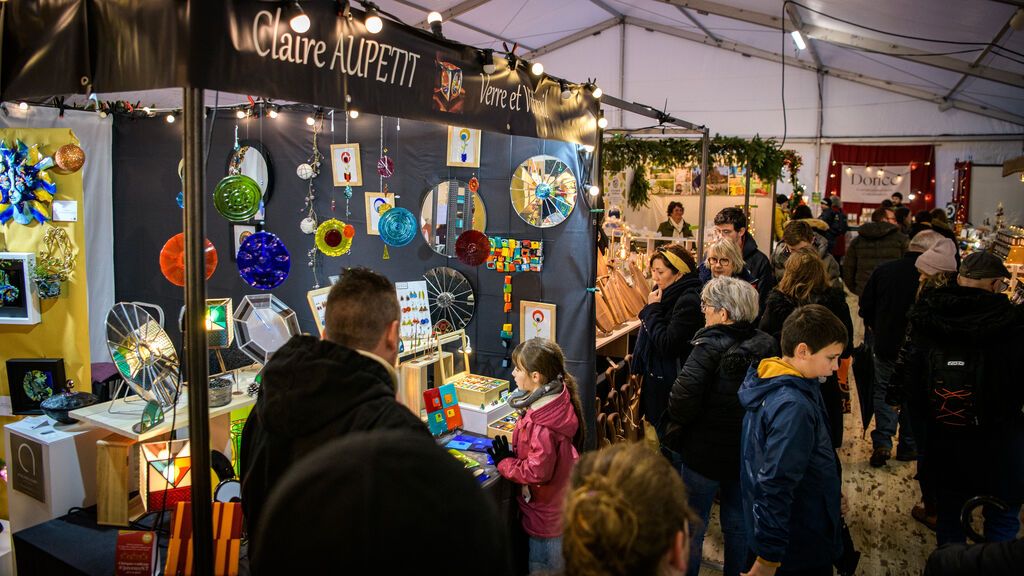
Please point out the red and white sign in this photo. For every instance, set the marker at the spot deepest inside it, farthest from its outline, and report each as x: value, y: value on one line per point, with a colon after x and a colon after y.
x: 872, y: 184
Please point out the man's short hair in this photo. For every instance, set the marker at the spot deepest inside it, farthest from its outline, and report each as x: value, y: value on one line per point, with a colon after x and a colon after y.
x: 360, y: 307
x: 731, y: 215
x: 802, y: 212
x: 796, y: 232
x: 813, y: 325
x: 897, y: 195
x: 886, y: 203
x: 922, y: 217
x: 901, y: 213
x: 879, y: 215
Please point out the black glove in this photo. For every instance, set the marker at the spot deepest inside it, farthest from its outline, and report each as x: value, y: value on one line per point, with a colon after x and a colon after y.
x: 500, y: 450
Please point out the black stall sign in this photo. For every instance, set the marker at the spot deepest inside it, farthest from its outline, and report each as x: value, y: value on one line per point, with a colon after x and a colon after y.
x: 401, y: 71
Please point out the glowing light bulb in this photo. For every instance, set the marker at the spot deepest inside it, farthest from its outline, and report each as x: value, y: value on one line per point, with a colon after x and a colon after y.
x: 170, y: 118
x: 353, y: 114
x: 594, y: 190
x: 537, y: 68
x: 598, y: 92
x: 273, y: 114
x: 23, y: 105
x: 310, y: 121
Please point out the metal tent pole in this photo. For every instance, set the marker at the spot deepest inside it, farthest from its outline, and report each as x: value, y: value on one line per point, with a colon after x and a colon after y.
x: 703, y: 194
x: 195, y: 332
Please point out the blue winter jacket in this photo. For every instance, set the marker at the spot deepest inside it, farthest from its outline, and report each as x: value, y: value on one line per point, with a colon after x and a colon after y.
x: 789, y: 474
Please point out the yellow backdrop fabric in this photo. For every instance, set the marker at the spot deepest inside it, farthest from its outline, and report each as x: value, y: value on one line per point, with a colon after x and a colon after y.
x: 63, y: 331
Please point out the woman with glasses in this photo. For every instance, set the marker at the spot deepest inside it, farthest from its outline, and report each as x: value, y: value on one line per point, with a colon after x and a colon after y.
x: 668, y: 322
x: 724, y: 259
x: 705, y: 418
x: 806, y: 282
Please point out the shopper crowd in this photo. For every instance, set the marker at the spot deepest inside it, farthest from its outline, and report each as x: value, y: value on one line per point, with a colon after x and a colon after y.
x: 742, y: 369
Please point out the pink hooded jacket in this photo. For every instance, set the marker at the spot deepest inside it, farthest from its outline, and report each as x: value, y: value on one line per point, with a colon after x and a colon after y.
x: 544, y: 458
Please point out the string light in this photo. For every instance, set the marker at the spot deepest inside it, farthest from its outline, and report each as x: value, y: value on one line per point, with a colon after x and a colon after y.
x: 602, y: 122
x: 240, y: 114
x: 23, y: 105
x: 537, y: 69
x: 299, y: 22
x: 353, y: 114
x: 598, y: 92
x: 373, y: 22
x: 310, y: 121
x: 170, y: 118
x: 594, y: 190
x: 273, y: 113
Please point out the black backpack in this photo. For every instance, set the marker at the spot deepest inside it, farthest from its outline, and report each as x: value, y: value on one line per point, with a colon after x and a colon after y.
x: 955, y: 385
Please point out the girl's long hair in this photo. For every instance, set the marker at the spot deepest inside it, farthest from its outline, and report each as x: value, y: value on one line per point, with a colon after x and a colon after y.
x: 544, y: 356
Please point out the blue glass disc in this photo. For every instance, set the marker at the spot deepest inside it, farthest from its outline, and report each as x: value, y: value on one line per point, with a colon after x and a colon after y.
x: 181, y: 199
x: 263, y: 261
x: 397, y: 227
x: 543, y: 191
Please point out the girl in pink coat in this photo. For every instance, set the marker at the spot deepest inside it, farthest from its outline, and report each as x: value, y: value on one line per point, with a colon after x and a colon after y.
x: 545, y: 445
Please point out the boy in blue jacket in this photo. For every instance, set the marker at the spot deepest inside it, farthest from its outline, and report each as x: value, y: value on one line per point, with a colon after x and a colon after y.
x: 789, y: 474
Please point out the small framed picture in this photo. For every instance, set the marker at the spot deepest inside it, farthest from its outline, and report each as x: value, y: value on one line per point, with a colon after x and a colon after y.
x: 239, y: 232
x: 463, y: 147
x: 374, y: 202
x: 318, y: 304
x: 345, y: 165
x: 32, y: 380
x: 19, y: 297
x: 536, y: 320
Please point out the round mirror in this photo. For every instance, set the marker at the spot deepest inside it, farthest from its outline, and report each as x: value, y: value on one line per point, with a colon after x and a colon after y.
x: 449, y: 209
x: 543, y: 191
x: 451, y: 299
x: 252, y: 160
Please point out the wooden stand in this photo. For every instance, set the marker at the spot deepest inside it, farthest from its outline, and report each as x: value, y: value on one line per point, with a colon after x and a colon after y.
x: 114, y: 477
x: 413, y: 378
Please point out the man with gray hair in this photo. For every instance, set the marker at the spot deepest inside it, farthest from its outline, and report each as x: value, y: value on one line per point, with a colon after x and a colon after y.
x: 314, y: 390
x: 888, y: 294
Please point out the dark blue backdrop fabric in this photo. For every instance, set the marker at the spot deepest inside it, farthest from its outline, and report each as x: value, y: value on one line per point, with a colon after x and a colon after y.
x: 145, y: 183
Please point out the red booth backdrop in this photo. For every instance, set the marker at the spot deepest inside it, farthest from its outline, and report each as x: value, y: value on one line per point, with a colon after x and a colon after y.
x: 921, y: 160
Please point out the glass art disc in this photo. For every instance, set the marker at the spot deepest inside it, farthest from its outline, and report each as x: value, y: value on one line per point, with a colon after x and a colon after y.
x: 543, y: 191
x: 237, y: 197
x: 172, y: 259
x: 472, y: 248
x: 397, y: 227
x: 386, y: 166
x: 331, y: 238
x: 450, y: 299
x: 263, y: 261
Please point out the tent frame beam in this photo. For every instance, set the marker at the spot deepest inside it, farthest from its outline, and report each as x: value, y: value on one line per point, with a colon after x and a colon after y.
x: 751, y: 51
x: 848, y: 40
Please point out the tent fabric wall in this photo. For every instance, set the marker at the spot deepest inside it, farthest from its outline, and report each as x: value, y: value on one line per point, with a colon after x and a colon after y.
x: 146, y: 215
x: 93, y: 133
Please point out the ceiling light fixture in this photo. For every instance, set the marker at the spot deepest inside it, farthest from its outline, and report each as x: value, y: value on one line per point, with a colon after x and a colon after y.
x: 434, y: 19
x: 487, y: 61
x: 299, y: 22
x: 798, y: 40
x: 374, y: 23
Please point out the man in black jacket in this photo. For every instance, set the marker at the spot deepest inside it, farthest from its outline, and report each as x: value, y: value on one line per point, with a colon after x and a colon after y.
x: 884, y: 303
x: 732, y: 224
x: 316, y: 390
x: 963, y: 360
x: 877, y: 241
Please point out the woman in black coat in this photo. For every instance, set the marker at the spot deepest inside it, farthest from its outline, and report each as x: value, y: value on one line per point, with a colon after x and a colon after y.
x: 806, y: 282
x: 668, y: 322
x: 705, y: 418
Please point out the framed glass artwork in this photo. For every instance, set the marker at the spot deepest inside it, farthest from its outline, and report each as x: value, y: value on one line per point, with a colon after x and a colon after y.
x: 377, y: 203
x: 463, y: 147
x: 536, y: 320
x: 345, y: 165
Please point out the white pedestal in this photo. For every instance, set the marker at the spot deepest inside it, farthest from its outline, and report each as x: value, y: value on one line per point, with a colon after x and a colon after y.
x: 476, y: 420
x: 58, y: 459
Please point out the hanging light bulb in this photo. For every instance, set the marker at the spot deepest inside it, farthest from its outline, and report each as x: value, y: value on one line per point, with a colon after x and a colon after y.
x: 353, y: 114
x: 880, y: 171
x: 310, y: 121
x: 566, y: 92
x: 374, y: 23
x: 147, y: 110
x: 912, y: 196
x: 594, y: 190
x: 537, y: 69
x: 598, y: 92
x: 170, y: 118
x: 240, y: 114
x: 434, y: 19
x: 602, y: 122
x: 23, y: 105
x: 849, y: 170
x: 487, y: 61
x: 299, y: 22
x: 273, y: 113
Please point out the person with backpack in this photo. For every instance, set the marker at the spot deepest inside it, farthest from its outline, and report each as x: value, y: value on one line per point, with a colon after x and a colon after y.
x: 962, y: 360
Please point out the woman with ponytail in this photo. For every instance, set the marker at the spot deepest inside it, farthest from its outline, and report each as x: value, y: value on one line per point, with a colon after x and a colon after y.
x: 545, y: 444
x: 626, y: 515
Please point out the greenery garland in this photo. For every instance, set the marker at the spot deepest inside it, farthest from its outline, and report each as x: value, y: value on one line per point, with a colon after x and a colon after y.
x: 764, y: 157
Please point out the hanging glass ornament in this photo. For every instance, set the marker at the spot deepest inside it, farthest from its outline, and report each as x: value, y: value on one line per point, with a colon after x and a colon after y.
x: 69, y: 158
x: 305, y: 171
x: 307, y: 225
x: 385, y: 166
x: 331, y: 238
x: 263, y: 261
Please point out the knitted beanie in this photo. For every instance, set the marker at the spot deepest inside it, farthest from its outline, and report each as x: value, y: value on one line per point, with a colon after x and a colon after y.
x: 941, y: 257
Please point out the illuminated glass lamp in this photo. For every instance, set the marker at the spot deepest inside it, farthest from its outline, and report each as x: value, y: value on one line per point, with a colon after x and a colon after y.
x: 262, y: 325
x: 220, y: 329
x: 166, y: 478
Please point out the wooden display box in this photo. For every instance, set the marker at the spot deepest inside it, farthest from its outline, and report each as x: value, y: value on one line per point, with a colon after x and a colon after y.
x: 413, y: 378
x: 504, y: 426
x: 477, y: 390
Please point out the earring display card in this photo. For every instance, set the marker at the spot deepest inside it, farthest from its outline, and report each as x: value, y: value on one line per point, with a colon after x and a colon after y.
x: 32, y: 380
x: 415, y: 326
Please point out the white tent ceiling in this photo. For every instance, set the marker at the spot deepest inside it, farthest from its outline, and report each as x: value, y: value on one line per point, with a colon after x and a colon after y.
x: 717, y: 62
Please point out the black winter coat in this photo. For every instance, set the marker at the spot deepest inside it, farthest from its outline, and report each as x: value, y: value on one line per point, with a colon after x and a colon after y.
x: 312, y: 391
x: 876, y: 242
x: 760, y: 268
x: 887, y: 297
x: 982, y: 459
x: 663, y: 343
x: 706, y: 418
x: 995, y: 559
x: 780, y: 306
